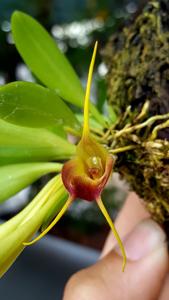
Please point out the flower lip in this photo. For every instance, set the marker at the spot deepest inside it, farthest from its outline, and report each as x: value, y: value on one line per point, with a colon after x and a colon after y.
x: 85, y: 182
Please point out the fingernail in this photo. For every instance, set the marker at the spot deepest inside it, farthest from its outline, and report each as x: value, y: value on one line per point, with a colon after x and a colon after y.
x: 145, y: 238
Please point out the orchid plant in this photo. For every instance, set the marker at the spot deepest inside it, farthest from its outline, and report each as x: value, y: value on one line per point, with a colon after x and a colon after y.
x: 34, y: 125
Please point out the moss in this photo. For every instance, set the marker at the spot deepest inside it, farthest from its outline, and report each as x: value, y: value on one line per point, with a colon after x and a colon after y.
x: 138, y: 90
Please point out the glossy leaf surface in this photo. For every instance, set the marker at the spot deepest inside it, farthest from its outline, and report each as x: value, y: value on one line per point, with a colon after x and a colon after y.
x: 41, y: 53
x: 29, y: 104
x: 45, y: 59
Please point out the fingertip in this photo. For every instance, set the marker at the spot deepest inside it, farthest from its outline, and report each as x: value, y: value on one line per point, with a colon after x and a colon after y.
x: 85, y: 285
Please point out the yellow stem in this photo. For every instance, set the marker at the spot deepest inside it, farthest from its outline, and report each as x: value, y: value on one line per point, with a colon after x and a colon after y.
x: 107, y: 217
x: 86, y: 101
x: 57, y: 218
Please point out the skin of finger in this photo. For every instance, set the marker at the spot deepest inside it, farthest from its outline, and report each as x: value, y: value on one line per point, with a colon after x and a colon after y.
x: 105, y: 280
x: 131, y: 214
x: 165, y: 290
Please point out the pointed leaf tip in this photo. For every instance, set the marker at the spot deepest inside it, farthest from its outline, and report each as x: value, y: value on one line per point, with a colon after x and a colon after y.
x: 42, y: 55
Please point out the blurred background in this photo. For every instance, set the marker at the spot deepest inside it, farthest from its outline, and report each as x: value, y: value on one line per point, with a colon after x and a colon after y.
x: 75, y: 25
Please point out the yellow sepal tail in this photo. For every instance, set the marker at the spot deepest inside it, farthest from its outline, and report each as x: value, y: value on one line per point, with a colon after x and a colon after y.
x: 87, y: 95
x: 52, y: 224
x: 107, y: 217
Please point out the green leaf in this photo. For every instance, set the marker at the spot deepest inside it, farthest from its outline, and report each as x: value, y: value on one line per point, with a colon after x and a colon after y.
x: 44, y: 58
x: 23, y: 226
x: 41, y: 53
x: 53, y: 211
x: 22, y: 144
x: 29, y: 104
x: 112, y: 115
x: 14, y: 178
x: 59, y: 131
